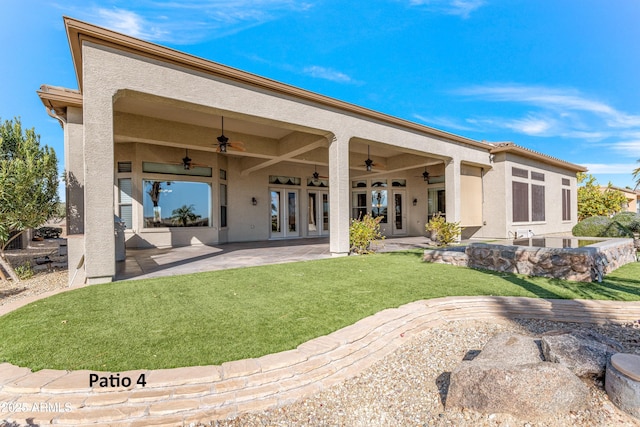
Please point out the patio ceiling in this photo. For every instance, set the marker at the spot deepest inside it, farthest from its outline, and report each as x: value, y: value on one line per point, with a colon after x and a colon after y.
x: 154, y: 120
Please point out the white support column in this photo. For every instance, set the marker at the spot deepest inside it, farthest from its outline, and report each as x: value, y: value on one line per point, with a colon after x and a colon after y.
x: 74, y: 162
x: 339, y: 191
x: 452, y: 190
x: 99, y: 181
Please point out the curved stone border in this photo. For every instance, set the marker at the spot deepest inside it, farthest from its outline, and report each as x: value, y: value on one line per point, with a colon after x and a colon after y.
x: 203, y: 393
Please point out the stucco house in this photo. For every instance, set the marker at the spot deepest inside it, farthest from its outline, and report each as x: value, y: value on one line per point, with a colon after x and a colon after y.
x: 187, y: 151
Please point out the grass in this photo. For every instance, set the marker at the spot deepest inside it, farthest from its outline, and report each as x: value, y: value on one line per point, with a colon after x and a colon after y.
x: 210, y: 318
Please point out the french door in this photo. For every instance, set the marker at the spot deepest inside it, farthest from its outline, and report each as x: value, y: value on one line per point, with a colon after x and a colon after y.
x: 399, y: 218
x: 318, y: 213
x: 284, y: 213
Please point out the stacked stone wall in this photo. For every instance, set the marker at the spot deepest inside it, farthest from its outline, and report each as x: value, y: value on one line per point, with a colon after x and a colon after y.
x: 586, y: 264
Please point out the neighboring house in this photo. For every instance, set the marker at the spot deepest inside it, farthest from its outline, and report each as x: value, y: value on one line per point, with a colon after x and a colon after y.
x: 632, y: 196
x: 144, y: 140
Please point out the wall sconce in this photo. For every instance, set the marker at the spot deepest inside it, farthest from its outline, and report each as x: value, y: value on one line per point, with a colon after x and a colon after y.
x: 415, y: 202
x: 254, y: 201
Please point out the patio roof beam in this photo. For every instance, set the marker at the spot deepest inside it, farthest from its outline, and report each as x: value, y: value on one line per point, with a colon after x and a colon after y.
x: 290, y: 154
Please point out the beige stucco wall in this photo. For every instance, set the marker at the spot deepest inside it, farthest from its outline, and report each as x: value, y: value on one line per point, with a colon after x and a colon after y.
x: 498, y: 212
x: 110, y: 74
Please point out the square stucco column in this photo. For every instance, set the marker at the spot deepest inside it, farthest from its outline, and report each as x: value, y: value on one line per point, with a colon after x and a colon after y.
x: 339, y: 196
x: 74, y: 165
x: 99, y: 183
x: 452, y: 190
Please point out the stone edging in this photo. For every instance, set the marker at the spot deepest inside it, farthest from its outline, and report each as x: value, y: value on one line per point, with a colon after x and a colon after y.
x: 174, y: 397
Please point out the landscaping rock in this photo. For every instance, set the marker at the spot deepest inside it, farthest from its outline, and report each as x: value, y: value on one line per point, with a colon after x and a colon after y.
x: 509, y: 376
x: 532, y: 390
x: 511, y: 349
x: 584, y: 353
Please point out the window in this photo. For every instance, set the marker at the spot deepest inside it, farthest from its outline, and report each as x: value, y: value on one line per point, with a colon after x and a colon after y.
x: 521, y: 173
x: 223, y: 205
x: 520, y: 192
x: 124, y: 202
x: 528, y: 196
x: 566, y: 200
x: 359, y: 203
x: 176, y: 169
x: 537, y: 202
x: 379, y: 204
x: 176, y: 204
x: 537, y: 176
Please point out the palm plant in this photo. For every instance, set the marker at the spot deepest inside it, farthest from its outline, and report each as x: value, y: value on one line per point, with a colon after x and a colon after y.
x: 183, y: 215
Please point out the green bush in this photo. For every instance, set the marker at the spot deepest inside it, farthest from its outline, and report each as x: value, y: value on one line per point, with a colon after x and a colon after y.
x: 630, y: 220
x: 24, y: 271
x: 601, y: 226
x: 364, y: 231
x: 446, y: 233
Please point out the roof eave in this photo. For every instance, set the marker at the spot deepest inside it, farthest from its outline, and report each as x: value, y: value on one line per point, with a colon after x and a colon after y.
x: 538, y: 156
x: 78, y: 31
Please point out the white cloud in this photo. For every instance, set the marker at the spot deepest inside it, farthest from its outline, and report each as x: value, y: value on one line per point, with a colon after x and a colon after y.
x: 446, y: 122
x: 560, y: 113
x: 188, y: 21
x: 611, y: 168
x: 327, y: 74
x: 462, y: 8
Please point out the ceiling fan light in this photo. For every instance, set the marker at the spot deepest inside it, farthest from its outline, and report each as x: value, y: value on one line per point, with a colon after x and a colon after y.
x: 425, y: 176
x: 223, y: 147
x: 186, y: 162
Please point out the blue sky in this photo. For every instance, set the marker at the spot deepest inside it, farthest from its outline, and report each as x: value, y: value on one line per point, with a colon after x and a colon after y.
x: 559, y: 77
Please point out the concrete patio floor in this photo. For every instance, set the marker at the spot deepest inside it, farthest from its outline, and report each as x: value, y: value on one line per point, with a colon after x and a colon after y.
x: 148, y: 263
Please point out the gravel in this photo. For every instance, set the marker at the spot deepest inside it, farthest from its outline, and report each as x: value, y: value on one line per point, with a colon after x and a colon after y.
x: 408, y: 387
x: 38, y: 284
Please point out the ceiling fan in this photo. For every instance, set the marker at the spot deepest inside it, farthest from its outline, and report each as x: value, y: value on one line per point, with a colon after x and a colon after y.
x: 316, y: 175
x: 369, y: 164
x: 224, y: 144
x: 187, y: 162
x: 426, y: 176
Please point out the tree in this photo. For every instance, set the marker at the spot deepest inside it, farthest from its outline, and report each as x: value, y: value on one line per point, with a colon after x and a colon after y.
x: 594, y: 201
x: 636, y: 175
x: 183, y: 215
x: 28, y: 184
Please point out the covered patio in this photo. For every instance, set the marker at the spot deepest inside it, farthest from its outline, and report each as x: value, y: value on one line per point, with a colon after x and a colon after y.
x: 155, y: 262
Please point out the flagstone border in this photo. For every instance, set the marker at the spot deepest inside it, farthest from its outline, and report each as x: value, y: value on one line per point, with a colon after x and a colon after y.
x: 180, y: 396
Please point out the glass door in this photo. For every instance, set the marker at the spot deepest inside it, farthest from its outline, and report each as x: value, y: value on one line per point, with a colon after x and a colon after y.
x: 399, y: 212
x: 284, y: 213
x: 318, y: 213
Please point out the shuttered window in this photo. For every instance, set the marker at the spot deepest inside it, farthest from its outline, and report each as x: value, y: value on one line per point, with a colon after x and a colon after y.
x: 520, y: 195
x: 566, y: 204
x: 537, y: 203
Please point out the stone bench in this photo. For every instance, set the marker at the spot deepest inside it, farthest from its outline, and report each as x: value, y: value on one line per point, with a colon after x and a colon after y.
x: 622, y: 382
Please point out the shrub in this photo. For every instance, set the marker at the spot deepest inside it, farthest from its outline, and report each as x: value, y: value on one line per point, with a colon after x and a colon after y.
x: 364, y: 231
x: 24, y: 271
x: 630, y: 220
x: 445, y: 232
x: 601, y: 226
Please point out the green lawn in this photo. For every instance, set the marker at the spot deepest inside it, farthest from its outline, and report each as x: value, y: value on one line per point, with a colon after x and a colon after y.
x: 210, y: 318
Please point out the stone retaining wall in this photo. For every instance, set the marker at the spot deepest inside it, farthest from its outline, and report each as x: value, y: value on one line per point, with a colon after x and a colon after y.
x: 181, y: 396
x: 586, y: 264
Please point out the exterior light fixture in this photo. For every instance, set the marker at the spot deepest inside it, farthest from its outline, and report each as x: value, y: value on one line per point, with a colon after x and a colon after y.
x: 425, y: 175
x: 415, y: 202
x: 368, y: 163
x: 186, y: 161
x: 254, y: 201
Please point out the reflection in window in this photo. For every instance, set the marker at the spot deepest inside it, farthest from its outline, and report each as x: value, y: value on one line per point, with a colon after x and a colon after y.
x: 176, y: 204
x: 359, y: 204
x: 379, y: 204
